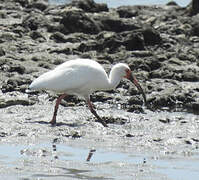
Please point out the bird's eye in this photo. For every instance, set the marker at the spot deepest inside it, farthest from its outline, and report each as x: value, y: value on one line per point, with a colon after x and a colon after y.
x: 127, y: 71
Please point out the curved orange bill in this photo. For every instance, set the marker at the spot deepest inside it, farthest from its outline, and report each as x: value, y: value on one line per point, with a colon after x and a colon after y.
x: 135, y: 82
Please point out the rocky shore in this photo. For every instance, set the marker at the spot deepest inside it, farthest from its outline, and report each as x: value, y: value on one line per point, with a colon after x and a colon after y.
x: 160, y: 44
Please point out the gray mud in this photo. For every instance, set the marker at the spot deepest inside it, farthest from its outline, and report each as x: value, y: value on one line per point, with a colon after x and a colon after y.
x: 157, y: 141
x: 164, y: 146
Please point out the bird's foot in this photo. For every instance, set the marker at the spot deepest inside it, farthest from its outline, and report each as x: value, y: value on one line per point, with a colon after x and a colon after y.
x: 102, y: 122
x: 53, y: 122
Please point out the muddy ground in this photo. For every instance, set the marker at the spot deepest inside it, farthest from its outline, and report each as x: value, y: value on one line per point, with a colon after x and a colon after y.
x: 161, y: 45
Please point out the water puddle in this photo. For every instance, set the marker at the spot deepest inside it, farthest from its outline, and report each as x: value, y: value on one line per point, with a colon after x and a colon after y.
x: 56, y: 161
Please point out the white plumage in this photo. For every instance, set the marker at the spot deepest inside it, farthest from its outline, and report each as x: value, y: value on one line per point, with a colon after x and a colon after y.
x: 81, y: 77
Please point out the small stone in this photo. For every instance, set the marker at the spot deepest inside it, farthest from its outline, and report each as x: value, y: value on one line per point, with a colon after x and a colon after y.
x: 190, y: 76
x: 17, y: 68
x: 2, y: 52
x: 165, y: 120
x: 130, y: 135
x: 135, y: 100
x: 6, y: 102
x: 188, y: 142
x: 135, y: 109
x: 39, y: 4
x: 89, y: 5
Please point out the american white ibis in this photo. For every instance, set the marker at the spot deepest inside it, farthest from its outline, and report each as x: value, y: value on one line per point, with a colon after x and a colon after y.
x: 82, y: 77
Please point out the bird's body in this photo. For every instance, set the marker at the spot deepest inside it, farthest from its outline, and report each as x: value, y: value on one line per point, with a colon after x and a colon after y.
x: 80, y: 77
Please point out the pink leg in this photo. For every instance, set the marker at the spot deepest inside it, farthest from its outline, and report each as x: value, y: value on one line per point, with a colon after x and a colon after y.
x: 95, y: 113
x: 53, y: 121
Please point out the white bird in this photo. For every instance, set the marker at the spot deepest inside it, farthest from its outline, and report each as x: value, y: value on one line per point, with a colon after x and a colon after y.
x: 82, y: 77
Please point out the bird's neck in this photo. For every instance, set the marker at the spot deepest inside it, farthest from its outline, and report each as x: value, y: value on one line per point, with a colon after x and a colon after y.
x: 114, y: 79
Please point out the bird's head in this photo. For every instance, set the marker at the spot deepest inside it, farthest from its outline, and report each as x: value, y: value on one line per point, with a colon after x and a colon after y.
x: 127, y: 73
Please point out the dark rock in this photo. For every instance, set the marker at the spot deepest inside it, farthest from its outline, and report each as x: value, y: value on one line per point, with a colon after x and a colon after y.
x: 23, y: 3
x: 2, y: 52
x: 157, y: 140
x: 190, y: 76
x: 195, y: 30
x: 193, y: 7
x: 195, y: 139
x: 58, y: 37
x: 15, y: 101
x: 135, y: 109
x: 101, y: 97
x: 148, y: 64
x: 183, y: 97
x: 44, y: 65
x: 66, y: 51
x: 112, y: 42
x: 9, y: 86
x: 151, y: 36
x: 13, y: 84
x: 3, y: 134
x: 171, y: 99
x: 137, y: 63
x: 162, y: 74
x: 133, y: 41
x: 162, y: 101
x: 195, y: 25
x: 132, y: 90
x: 161, y: 58
x: 39, y: 4
x: 175, y: 61
x: 36, y: 58
x: 7, y: 36
x: 109, y: 23
x: 57, y: 61
x: 76, y: 135
x: 130, y: 135
x: 187, y: 57
x: 89, y: 6
x: 17, y: 68
x: 142, y: 53
x: 153, y: 63
x: 37, y: 35
x: 135, y: 100
x: 78, y: 21
x: 188, y: 142
x: 165, y: 120
x: 112, y: 120
x: 70, y: 100
x: 20, y: 31
x: 34, y: 21
x: 127, y: 11
x: 100, y: 45
x: 192, y: 107
x: 3, y: 15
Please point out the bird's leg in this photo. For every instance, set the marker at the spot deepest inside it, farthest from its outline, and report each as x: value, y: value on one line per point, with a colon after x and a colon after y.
x: 53, y: 121
x: 95, y: 113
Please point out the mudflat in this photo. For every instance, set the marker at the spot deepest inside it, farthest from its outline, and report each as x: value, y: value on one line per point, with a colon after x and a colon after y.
x: 157, y: 141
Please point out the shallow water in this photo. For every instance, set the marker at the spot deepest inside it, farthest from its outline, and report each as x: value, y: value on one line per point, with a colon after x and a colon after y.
x: 60, y: 161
